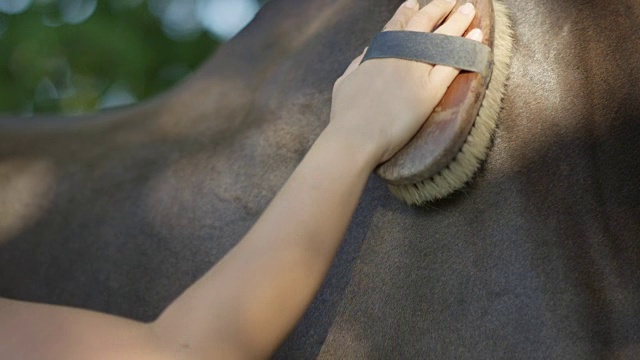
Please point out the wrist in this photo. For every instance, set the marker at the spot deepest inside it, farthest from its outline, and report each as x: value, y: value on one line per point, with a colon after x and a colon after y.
x: 357, y: 150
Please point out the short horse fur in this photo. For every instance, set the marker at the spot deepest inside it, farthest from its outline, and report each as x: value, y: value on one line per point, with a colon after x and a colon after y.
x: 538, y: 258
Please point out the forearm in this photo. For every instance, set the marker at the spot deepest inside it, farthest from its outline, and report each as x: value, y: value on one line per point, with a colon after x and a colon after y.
x: 261, y: 288
x: 245, y: 305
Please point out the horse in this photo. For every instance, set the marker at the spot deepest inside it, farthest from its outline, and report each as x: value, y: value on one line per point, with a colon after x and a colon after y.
x: 538, y: 257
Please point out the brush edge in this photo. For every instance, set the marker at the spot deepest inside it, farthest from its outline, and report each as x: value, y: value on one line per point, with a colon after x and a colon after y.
x: 476, y: 147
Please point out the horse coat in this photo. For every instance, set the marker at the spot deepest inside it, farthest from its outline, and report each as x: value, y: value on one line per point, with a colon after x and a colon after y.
x: 537, y: 258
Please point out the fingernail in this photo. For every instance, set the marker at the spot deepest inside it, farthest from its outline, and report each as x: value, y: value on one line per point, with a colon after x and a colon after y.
x: 475, y: 34
x: 466, y: 9
x: 411, y: 4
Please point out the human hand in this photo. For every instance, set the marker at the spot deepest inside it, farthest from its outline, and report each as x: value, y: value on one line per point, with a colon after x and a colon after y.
x: 382, y: 103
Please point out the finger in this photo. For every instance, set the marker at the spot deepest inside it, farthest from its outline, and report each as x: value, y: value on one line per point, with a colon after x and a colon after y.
x: 430, y: 16
x: 459, y: 21
x: 442, y: 76
x: 396, y: 23
x: 402, y: 16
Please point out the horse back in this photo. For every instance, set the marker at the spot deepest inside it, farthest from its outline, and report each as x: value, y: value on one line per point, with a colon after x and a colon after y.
x: 536, y: 258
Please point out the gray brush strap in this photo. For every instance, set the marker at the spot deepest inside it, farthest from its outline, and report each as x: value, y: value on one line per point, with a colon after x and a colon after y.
x: 436, y: 49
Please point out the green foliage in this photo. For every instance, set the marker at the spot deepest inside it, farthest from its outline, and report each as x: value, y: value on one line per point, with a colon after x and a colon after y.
x: 51, y: 66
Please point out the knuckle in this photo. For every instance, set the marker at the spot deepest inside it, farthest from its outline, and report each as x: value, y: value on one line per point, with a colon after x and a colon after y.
x: 425, y: 18
x: 442, y: 8
x: 393, y: 24
x: 445, y: 4
x: 336, y: 85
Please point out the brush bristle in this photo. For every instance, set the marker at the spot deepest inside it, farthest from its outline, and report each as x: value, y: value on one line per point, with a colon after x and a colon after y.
x: 475, y: 149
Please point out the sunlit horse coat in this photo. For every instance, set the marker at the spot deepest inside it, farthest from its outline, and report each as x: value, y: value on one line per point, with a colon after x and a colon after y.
x: 538, y: 258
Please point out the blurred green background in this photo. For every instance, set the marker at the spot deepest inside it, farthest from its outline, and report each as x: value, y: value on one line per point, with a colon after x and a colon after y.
x: 79, y: 56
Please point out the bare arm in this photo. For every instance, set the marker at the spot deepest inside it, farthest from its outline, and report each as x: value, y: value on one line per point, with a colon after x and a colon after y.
x: 248, y: 302
x: 251, y: 300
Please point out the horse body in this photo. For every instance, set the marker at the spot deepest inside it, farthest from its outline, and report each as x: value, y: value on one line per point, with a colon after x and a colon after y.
x: 536, y: 258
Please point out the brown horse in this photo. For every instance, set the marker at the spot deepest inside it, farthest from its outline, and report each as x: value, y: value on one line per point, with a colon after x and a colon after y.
x: 538, y: 258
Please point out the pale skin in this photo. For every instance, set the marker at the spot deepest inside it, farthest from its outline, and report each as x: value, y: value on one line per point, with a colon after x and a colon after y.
x: 245, y: 306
